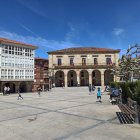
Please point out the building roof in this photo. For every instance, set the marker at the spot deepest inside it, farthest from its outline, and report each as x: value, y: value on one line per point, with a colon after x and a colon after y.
x: 80, y: 50
x: 38, y: 58
x: 8, y: 41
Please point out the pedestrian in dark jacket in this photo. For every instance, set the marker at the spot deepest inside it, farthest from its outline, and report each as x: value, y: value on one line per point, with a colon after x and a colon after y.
x: 39, y: 90
x: 19, y: 95
x: 90, y: 88
x: 115, y: 93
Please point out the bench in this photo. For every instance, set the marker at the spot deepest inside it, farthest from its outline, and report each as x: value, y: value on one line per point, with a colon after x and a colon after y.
x: 130, y: 111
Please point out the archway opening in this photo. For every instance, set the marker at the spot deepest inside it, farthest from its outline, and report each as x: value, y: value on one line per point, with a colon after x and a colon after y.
x: 84, y: 78
x: 96, y: 78
x: 108, y: 77
x: 59, y: 79
x: 72, y: 78
x: 22, y: 87
x: 10, y: 87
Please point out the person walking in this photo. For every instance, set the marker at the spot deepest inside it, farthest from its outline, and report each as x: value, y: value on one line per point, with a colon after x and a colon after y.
x: 5, y: 90
x: 90, y: 88
x: 62, y: 85
x: 93, y: 88
x: 8, y: 90
x: 99, y: 95
x: 39, y: 90
x: 19, y: 95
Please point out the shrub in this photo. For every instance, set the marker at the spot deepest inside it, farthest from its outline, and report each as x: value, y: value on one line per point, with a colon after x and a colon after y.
x: 129, y: 89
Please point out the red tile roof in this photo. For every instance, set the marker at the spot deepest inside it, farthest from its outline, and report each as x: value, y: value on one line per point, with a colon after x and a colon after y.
x: 38, y: 58
x: 80, y: 50
x: 4, y: 40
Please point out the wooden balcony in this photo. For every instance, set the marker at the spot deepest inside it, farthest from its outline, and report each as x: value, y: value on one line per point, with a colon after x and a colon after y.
x: 84, y: 66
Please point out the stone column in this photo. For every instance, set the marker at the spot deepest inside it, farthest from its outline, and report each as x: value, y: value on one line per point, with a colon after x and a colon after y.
x: 102, y: 78
x: 66, y: 78
x: 78, y: 76
x: 90, y: 77
x: 66, y: 81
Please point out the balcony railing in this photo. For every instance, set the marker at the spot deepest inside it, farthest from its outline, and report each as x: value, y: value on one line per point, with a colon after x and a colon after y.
x: 81, y: 65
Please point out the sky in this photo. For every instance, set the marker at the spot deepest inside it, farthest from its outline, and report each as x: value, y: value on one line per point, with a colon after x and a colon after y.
x: 58, y: 24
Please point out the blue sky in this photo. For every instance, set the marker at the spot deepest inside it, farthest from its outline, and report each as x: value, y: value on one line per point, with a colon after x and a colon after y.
x: 58, y: 24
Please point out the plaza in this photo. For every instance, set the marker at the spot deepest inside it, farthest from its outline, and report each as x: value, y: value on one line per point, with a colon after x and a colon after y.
x: 62, y: 114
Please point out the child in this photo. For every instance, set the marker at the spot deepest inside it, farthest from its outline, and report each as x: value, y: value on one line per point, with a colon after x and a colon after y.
x: 99, y: 95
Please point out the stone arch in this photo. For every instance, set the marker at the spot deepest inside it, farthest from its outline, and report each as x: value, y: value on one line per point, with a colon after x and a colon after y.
x: 72, y: 78
x: 84, y: 78
x: 23, y: 87
x: 96, y: 78
x: 108, y: 77
x: 59, y: 78
x: 10, y: 85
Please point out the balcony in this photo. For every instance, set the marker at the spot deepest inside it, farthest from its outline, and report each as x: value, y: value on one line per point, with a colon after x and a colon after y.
x: 83, y: 66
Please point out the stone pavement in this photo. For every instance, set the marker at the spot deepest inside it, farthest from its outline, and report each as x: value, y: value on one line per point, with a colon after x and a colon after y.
x: 62, y: 114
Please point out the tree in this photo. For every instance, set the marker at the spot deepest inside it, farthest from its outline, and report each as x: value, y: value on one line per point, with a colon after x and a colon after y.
x: 129, y: 64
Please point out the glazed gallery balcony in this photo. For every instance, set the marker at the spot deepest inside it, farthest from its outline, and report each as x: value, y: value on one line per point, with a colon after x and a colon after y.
x: 84, y: 66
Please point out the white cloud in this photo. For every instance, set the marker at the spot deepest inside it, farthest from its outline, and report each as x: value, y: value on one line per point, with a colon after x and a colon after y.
x: 27, y: 29
x: 72, y: 33
x: 42, y: 43
x: 34, y: 6
x: 118, y: 31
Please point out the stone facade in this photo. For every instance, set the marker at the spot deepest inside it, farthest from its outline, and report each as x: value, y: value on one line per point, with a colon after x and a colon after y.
x: 83, y: 66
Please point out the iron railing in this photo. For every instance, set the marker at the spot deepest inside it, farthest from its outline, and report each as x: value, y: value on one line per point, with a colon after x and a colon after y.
x: 82, y: 65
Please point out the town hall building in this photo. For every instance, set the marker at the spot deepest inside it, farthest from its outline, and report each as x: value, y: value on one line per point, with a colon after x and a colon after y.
x: 82, y: 66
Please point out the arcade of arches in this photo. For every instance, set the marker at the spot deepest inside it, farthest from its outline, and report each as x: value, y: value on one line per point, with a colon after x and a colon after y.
x: 71, y: 78
x: 15, y: 85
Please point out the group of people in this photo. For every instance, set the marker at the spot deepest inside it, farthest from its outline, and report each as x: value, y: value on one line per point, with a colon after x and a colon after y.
x: 6, y: 90
x: 19, y: 93
x: 115, y: 92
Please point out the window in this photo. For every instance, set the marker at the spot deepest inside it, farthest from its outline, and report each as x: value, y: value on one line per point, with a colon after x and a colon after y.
x: 95, y: 61
x: 108, y: 61
x: 59, y: 61
x: 71, y: 61
x: 83, y: 61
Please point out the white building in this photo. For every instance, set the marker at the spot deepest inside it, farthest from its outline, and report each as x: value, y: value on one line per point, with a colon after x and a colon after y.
x: 16, y: 65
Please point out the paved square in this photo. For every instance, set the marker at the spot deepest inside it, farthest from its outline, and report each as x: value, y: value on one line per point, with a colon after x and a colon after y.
x: 62, y: 114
